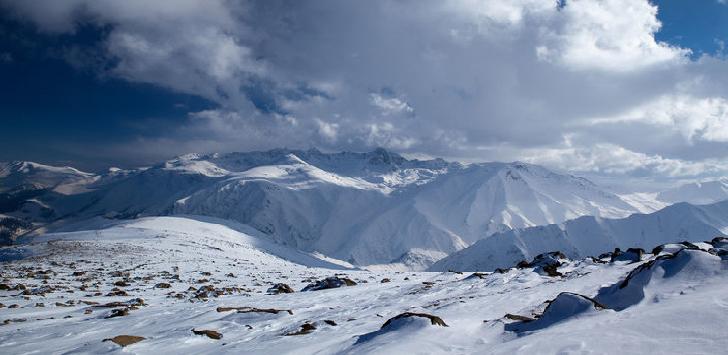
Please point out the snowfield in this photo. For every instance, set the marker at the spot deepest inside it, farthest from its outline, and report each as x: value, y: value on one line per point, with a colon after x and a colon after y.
x: 171, y: 285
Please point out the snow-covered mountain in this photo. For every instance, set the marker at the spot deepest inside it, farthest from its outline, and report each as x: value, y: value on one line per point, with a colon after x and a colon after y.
x: 590, y: 236
x: 366, y: 208
x: 696, y: 193
x: 371, y: 208
x: 24, y: 174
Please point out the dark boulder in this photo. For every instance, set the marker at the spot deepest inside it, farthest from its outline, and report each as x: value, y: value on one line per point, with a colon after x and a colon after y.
x: 329, y: 282
x: 280, y: 288
x: 547, y: 263
x: 212, y: 334
x: 631, y: 255
x: 125, y: 340
x: 434, y: 320
x: 306, y: 328
x: 253, y: 310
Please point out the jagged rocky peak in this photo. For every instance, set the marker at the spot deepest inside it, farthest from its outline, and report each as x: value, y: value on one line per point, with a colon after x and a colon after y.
x: 382, y: 156
x: 347, y: 163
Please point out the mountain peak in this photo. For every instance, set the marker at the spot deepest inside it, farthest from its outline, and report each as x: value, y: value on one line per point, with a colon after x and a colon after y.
x: 381, y: 156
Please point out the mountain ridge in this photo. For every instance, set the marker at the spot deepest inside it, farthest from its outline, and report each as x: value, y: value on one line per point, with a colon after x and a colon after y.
x: 366, y: 208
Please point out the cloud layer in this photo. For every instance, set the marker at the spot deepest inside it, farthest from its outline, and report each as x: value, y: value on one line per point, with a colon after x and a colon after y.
x: 579, y: 84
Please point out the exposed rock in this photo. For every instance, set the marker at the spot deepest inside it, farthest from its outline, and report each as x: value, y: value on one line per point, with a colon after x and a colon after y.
x: 37, y: 291
x: 719, y: 242
x: 609, y: 254
x: 117, y: 293
x: 134, y: 302
x: 478, y: 275
x: 566, y: 305
x: 547, y: 263
x: 253, y: 310
x: 305, y: 329
x: 402, y: 322
x: 518, y: 317
x: 329, y: 282
x: 673, y: 248
x: 330, y: 322
x: 162, y: 285
x: 280, y: 288
x: 15, y: 320
x: 434, y: 320
x: 206, y: 292
x: 385, y: 280
x: 125, y: 340
x: 119, y: 312
x: 631, y: 255
x: 212, y: 334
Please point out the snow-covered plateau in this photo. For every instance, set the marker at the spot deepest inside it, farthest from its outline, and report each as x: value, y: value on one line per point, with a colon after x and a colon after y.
x: 172, y: 285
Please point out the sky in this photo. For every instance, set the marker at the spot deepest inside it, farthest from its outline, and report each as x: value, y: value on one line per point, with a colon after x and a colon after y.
x: 631, y: 88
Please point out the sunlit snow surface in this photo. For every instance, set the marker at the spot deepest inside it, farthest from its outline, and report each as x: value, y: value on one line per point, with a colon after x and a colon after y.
x: 683, y: 307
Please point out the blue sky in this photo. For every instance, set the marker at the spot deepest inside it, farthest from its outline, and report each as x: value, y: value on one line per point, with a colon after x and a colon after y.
x: 47, y: 102
x: 96, y: 84
x: 701, y: 25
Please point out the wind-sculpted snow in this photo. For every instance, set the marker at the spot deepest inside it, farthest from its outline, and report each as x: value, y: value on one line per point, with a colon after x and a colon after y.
x: 665, y: 276
x: 590, y: 236
x: 565, y: 306
x: 170, y: 285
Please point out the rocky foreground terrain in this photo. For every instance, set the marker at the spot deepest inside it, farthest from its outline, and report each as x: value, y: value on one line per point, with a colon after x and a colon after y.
x: 170, y: 285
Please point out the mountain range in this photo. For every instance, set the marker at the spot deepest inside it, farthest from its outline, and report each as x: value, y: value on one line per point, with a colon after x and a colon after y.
x: 368, y: 209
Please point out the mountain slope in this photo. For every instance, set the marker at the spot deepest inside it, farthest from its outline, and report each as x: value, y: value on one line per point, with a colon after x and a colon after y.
x: 372, y: 208
x: 696, y: 193
x: 64, y: 180
x: 590, y: 236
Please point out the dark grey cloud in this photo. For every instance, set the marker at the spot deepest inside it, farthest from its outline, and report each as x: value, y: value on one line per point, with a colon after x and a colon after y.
x: 583, y: 86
